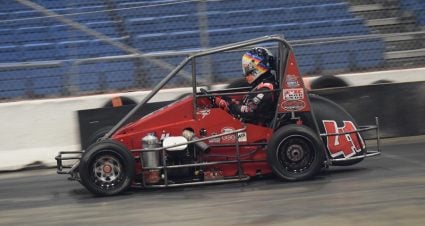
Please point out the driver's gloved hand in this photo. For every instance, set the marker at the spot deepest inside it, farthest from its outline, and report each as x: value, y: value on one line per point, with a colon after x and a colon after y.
x: 221, y: 103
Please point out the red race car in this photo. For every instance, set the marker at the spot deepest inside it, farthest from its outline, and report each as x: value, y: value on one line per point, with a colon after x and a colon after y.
x: 193, y: 141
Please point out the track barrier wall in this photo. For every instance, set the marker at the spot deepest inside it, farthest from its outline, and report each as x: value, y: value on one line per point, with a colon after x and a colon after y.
x: 35, y: 131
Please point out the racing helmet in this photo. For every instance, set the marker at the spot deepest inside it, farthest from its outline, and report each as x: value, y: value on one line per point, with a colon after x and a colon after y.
x: 257, y: 62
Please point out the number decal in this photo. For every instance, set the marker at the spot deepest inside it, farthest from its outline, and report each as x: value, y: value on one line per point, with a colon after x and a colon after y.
x: 346, y: 145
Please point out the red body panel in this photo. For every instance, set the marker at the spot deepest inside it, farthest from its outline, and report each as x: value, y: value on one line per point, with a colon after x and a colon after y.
x: 173, y: 119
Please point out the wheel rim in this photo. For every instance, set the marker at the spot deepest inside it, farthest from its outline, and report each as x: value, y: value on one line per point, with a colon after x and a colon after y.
x: 296, y: 154
x: 107, y: 172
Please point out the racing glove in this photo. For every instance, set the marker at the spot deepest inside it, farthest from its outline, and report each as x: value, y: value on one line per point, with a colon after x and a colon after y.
x: 221, y: 103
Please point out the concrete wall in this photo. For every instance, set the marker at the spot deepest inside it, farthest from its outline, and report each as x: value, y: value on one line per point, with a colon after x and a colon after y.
x: 37, y: 130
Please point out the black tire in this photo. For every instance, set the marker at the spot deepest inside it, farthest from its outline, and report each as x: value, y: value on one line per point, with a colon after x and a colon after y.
x: 124, y: 100
x: 97, y: 135
x: 295, y: 153
x: 107, y: 168
x: 328, y: 81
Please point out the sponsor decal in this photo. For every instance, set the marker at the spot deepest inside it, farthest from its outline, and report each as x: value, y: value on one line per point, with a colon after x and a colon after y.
x: 293, y: 94
x: 231, y: 138
x: 293, y: 105
x: 216, y: 140
x: 292, y: 81
x: 345, y: 145
x: 203, y: 113
x: 242, y: 137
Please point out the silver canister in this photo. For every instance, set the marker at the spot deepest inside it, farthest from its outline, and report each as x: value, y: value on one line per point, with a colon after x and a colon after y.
x: 150, y: 158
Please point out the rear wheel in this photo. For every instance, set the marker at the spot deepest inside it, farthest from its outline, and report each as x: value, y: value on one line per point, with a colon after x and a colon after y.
x: 295, y: 153
x: 107, y: 168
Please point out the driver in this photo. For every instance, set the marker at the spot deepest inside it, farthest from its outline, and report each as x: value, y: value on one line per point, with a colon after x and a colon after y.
x: 258, y: 106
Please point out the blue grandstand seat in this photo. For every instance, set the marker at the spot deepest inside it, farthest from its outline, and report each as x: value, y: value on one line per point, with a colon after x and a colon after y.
x: 242, y: 4
x: 74, y: 49
x: 3, y: 16
x: 107, y: 28
x: 39, y: 51
x: 29, y: 18
x: 87, y: 77
x: 351, y: 26
x: 303, y: 13
x: 143, y: 25
x: 10, y: 53
x: 152, y: 42
x: 12, y: 88
x: 144, y: 9
x: 95, y: 76
x: 334, y: 11
x: 155, y: 73
x: 66, y: 33
x: 229, y: 66
x: 291, y: 31
x: 27, y: 35
x: 417, y: 7
x: 146, y: 25
x: 252, y: 32
x: 7, y: 36
x: 90, y: 14
x: 222, y: 36
x: 316, y: 29
x: 184, y: 40
x: 46, y: 80
x: 51, y: 4
x: 119, y: 74
x: 370, y: 52
x: 100, y: 48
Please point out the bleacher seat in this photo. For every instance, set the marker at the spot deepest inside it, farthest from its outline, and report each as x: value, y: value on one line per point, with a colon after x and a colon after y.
x: 74, y: 49
x: 100, y: 48
x: 221, y: 36
x: 10, y: 53
x: 90, y: 14
x: 12, y: 88
x: 7, y: 36
x: 39, y: 51
x: 110, y: 74
x: 152, y: 42
x: 417, y: 7
x: 119, y: 74
x: 46, y: 80
x: 184, y: 40
x: 107, y: 28
x: 27, y: 35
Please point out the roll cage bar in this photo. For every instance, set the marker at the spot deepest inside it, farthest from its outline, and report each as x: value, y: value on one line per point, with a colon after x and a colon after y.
x: 282, y: 46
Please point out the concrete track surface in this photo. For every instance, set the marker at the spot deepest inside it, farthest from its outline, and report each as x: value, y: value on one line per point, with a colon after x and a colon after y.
x: 387, y: 190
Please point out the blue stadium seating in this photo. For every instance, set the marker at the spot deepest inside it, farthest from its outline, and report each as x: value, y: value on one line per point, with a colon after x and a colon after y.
x: 74, y: 49
x: 7, y: 36
x: 416, y: 6
x: 162, y: 25
x: 39, y: 51
x: 27, y: 35
x: 100, y: 49
x: 10, y: 53
x: 111, y: 75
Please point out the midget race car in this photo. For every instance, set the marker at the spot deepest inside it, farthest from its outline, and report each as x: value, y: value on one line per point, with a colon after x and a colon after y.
x: 192, y: 141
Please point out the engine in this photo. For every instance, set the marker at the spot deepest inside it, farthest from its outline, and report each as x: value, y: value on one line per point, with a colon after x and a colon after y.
x: 177, y: 153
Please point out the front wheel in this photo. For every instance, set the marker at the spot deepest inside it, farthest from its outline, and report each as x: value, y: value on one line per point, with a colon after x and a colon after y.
x: 295, y: 153
x: 107, y: 168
